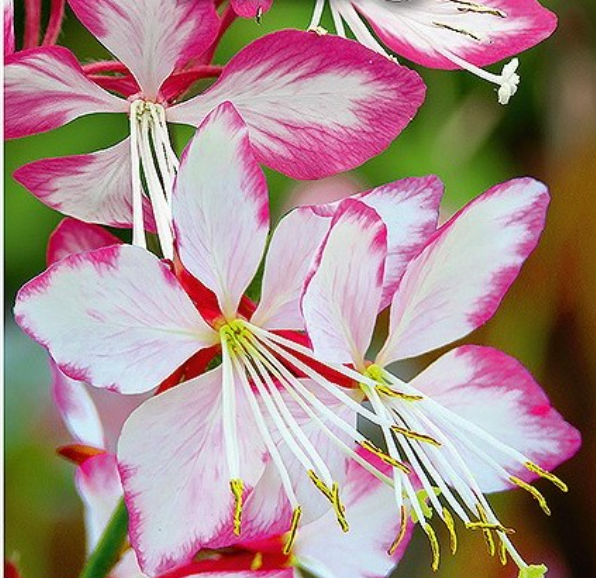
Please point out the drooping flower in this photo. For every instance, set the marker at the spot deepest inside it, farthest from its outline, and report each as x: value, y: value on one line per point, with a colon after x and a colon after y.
x: 321, y: 548
x: 475, y: 421
x: 119, y: 318
x: 448, y: 34
x: 303, y: 97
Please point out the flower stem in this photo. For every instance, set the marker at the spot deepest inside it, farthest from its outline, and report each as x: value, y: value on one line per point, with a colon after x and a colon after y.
x: 110, y: 545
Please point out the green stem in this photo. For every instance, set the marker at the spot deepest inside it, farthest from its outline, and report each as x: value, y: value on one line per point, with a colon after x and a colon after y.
x: 110, y: 545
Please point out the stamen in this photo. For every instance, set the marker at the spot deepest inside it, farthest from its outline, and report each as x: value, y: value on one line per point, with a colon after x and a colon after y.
x: 534, y: 492
x: 488, y: 537
x: 489, y: 526
x: 340, y: 510
x: 416, y: 436
x: 237, y: 487
x: 369, y: 446
x: 547, y: 476
x: 461, y: 31
x: 324, y: 489
x: 434, y: 544
x: 403, y: 526
x: 138, y: 226
x: 384, y: 390
x: 296, y: 516
x: 502, y: 553
x: 448, y: 519
x: 466, y: 6
x: 257, y: 562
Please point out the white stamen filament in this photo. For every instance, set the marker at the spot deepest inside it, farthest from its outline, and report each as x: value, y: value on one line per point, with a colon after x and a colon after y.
x: 153, y: 160
x: 342, y: 10
x: 230, y: 426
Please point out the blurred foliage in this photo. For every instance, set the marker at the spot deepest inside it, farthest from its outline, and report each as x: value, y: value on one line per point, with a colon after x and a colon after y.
x: 548, y: 320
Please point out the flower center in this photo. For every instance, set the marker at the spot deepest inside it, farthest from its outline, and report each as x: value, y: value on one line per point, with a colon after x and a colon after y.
x: 154, y: 166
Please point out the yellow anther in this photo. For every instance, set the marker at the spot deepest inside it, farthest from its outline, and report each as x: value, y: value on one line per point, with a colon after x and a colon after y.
x: 340, y: 511
x: 320, y: 485
x: 478, y: 8
x: 237, y: 487
x: 384, y: 457
x: 257, y: 562
x: 403, y: 526
x: 534, y: 492
x: 488, y: 526
x: 503, y: 553
x: 434, y: 545
x: 296, y: 515
x: 384, y: 390
x: 448, y: 519
x: 547, y: 476
x: 461, y: 31
x: 416, y: 436
x: 488, y: 536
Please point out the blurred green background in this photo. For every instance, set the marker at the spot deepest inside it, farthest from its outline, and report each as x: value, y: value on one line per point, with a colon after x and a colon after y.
x: 548, y: 320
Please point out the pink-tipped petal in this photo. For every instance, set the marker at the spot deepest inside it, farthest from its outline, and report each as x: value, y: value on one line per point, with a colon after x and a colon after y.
x: 251, y: 8
x: 497, y: 394
x: 221, y: 207
x: 72, y: 236
x: 343, y: 294
x: 115, y: 318
x: 98, y: 484
x: 172, y: 461
x: 423, y: 31
x: 77, y: 409
x: 94, y: 187
x: 291, y: 252
x: 46, y: 88
x: 151, y: 37
x: 362, y: 552
x: 9, y: 45
x: 459, y: 279
x: 315, y: 105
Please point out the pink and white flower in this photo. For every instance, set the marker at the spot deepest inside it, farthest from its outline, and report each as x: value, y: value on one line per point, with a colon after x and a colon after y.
x: 475, y: 421
x: 119, y: 318
x: 448, y: 34
x: 314, y: 106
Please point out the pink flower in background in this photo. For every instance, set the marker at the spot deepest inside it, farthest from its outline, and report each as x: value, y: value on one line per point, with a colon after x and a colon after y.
x: 448, y: 34
x: 361, y: 99
x: 250, y: 8
x: 8, y: 18
x: 475, y: 421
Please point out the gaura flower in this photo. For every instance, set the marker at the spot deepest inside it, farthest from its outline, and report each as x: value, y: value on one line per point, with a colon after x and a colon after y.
x: 119, y: 318
x: 475, y: 421
x: 321, y: 548
x: 303, y: 97
x: 93, y: 450
x: 447, y: 34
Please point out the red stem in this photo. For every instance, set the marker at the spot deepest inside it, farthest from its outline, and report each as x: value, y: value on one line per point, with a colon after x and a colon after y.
x: 54, y: 23
x: 32, y: 23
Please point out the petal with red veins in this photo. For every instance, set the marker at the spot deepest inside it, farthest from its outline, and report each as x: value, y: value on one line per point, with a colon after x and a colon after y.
x: 98, y: 484
x: 495, y: 393
x: 94, y: 187
x: 291, y: 252
x: 77, y: 409
x: 221, y: 207
x: 423, y: 31
x: 362, y: 552
x: 115, y: 318
x: 46, y: 88
x: 459, y: 279
x: 315, y: 105
x: 72, y: 236
x: 151, y: 37
x: 251, y: 8
x: 342, y: 296
x: 175, y: 441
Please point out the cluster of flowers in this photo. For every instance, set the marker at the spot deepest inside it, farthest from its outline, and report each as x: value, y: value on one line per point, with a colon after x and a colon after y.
x: 245, y: 456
